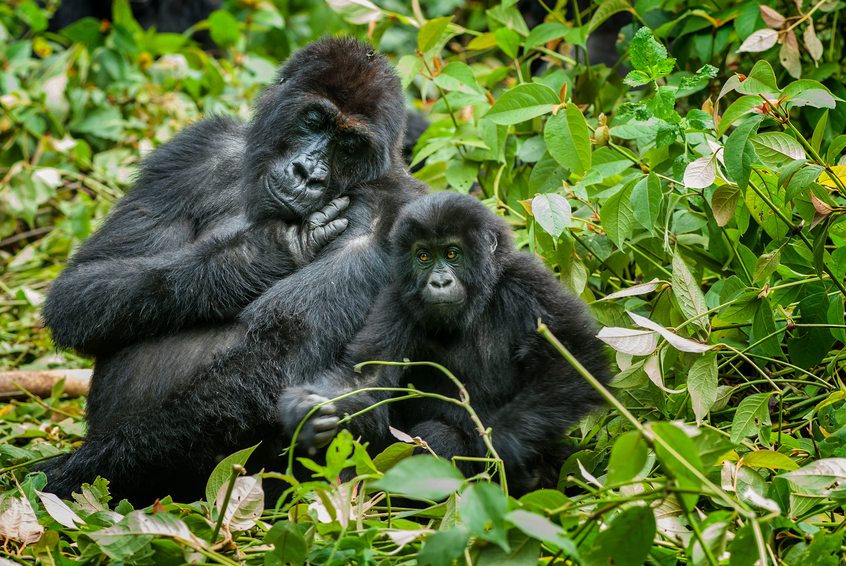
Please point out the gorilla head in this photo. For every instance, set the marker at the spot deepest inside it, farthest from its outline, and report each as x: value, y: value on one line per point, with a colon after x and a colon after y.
x: 446, y: 253
x: 335, y: 117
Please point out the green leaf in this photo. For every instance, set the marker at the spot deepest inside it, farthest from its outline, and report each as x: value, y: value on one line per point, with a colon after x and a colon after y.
x: 724, y: 203
x: 544, y: 500
x: 552, y: 212
x: 739, y: 155
x: 443, y: 547
x: 637, y: 78
x: 702, y: 385
x: 524, y: 551
x: 606, y: 10
x: 542, y: 529
x: 817, y: 478
x: 508, y: 40
x: 628, y: 457
x: 646, y: 199
x: 762, y: 331
x: 522, y: 103
x: 807, y: 92
x: 819, y: 130
x: 677, y: 457
x: 752, y: 413
x: 645, y: 52
x: 688, y: 294
x: 105, y: 122
x: 740, y: 107
x: 835, y: 148
x: 224, y: 28
x: 482, y: 507
x: 769, y: 459
x: 547, y: 175
x: 766, y: 266
x: 568, y: 140
x: 431, y: 33
x: 461, y: 174
x: 289, y: 545
x: 626, y: 541
x: 222, y: 472
x: 33, y: 15
x: 617, y: 216
x: 774, y: 148
x: 421, y: 477
x: 122, y: 17
x: 761, y: 80
x: 544, y: 33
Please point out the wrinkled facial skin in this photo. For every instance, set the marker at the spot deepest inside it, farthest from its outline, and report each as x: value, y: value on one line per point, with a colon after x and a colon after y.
x: 327, y: 150
x: 439, y: 267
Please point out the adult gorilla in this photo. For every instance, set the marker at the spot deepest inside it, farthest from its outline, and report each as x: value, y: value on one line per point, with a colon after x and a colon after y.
x: 162, y: 411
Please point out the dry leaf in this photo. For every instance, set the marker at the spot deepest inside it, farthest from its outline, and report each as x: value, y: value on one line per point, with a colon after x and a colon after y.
x: 812, y: 42
x: 771, y: 17
x: 18, y: 521
x: 758, y: 41
x: 788, y: 55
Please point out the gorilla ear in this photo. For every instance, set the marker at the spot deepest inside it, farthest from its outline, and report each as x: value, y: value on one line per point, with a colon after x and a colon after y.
x: 493, y: 242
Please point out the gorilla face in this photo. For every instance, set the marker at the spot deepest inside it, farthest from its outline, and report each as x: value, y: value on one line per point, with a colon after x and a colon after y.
x: 335, y: 118
x: 446, y: 265
x: 439, y: 268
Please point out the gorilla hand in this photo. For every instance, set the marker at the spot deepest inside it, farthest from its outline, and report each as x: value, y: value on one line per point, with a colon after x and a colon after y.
x: 306, y: 240
x: 320, y: 428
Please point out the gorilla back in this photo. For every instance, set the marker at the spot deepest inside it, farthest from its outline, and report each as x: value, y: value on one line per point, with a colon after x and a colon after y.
x: 185, y: 385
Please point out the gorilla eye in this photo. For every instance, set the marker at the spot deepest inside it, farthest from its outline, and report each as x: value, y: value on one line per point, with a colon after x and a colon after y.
x: 452, y: 252
x: 423, y: 256
x: 314, y: 119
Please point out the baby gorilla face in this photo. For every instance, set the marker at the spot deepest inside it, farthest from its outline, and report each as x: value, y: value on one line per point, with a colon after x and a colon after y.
x: 439, y: 267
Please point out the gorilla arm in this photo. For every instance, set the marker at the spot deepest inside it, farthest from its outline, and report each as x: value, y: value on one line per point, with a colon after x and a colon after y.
x: 145, y: 273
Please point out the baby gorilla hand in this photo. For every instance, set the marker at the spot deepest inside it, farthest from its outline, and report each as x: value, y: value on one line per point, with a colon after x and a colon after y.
x: 320, y: 228
x: 320, y: 428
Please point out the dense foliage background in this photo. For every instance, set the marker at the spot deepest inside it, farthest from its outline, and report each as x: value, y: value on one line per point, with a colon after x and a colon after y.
x: 693, y: 193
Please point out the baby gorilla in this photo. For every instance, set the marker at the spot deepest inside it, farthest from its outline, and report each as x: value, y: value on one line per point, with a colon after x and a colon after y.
x: 463, y: 297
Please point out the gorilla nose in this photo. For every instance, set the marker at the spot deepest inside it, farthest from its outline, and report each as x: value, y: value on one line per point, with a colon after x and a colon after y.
x: 440, y: 280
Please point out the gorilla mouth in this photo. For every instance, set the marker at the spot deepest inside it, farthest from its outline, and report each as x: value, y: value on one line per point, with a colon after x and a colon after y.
x: 446, y: 303
x: 288, y: 211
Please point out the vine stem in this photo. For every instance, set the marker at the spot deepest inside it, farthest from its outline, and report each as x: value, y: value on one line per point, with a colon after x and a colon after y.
x: 654, y: 440
x: 237, y: 470
x: 463, y: 401
x: 409, y: 393
x: 757, y: 190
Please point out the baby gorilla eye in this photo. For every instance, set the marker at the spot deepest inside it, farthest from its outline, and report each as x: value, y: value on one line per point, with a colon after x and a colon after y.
x: 423, y: 256
x: 453, y: 252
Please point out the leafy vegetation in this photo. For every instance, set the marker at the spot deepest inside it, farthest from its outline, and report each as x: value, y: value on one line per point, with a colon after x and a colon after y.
x: 693, y: 194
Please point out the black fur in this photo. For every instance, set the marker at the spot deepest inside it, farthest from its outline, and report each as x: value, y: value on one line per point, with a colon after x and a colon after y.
x: 517, y: 382
x: 206, y: 229
x: 164, y: 409
x: 166, y: 15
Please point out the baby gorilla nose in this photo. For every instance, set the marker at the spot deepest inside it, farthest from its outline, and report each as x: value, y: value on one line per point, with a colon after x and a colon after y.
x: 441, y: 280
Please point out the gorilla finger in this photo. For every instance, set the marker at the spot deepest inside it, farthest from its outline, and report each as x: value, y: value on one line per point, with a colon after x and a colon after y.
x: 329, y: 409
x: 314, y: 398
x: 335, y: 229
x: 328, y: 213
x: 322, y: 235
x: 322, y: 439
x: 325, y: 423
x: 336, y: 207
